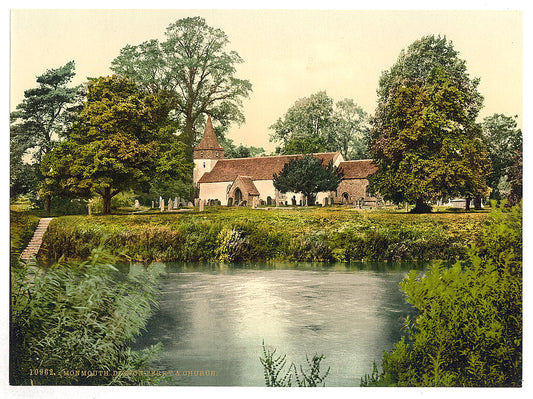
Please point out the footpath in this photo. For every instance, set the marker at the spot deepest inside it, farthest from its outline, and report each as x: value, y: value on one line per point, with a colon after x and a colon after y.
x: 35, y: 243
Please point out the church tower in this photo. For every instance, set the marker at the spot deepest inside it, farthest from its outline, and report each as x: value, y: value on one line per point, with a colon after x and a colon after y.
x: 207, y: 152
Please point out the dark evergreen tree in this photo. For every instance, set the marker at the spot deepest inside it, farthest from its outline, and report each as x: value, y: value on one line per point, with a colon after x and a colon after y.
x: 307, y: 175
x: 40, y: 121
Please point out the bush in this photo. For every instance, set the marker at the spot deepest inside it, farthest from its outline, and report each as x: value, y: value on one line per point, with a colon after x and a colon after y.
x: 468, y: 331
x: 79, y: 318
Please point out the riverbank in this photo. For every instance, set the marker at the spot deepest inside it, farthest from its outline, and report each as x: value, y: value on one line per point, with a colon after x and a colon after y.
x: 333, y: 234
x: 22, y: 225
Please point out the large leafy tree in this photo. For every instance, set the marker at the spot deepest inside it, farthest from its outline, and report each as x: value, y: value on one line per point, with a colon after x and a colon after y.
x: 309, y: 176
x: 123, y: 140
x: 318, y: 124
x: 38, y: 122
x: 515, y: 179
x: 349, y: 131
x: 503, y: 139
x: 192, y: 71
x: 304, y: 124
x: 424, y: 137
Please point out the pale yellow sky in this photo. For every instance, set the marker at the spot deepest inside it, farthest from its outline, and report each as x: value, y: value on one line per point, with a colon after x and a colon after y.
x: 287, y: 54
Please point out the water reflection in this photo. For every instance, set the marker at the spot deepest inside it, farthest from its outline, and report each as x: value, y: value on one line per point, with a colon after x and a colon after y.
x: 215, y: 317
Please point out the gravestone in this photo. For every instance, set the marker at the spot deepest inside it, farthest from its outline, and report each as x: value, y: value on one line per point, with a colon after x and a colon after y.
x: 162, y: 202
x: 176, y: 203
x: 169, y: 205
x: 153, y: 204
x: 201, y: 205
x: 137, y: 204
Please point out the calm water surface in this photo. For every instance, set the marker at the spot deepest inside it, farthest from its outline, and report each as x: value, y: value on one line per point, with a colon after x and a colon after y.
x: 215, y: 318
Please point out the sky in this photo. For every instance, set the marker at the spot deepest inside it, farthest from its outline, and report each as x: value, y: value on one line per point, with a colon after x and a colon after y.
x: 288, y: 54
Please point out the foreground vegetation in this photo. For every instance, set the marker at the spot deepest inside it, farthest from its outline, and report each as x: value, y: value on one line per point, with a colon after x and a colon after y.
x: 468, y: 330
x: 22, y: 226
x: 82, y: 316
x: 277, y: 376
x: 244, y: 234
x: 72, y: 324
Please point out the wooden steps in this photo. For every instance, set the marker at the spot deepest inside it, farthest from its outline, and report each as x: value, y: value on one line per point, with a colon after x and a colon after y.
x: 35, y: 243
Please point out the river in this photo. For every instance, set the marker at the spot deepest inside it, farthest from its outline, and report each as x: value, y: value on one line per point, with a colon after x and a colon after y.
x: 213, y: 319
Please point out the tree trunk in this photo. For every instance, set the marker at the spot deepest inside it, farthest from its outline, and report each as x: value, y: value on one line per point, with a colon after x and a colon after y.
x: 421, y: 207
x: 107, y: 201
x: 188, y: 137
x: 467, y: 204
x: 47, y: 203
x: 477, y: 202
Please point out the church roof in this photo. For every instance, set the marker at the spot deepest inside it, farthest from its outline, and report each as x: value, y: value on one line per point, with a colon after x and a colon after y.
x: 209, y: 140
x: 359, y: 169
x: 247, y: 184
x: 257, y: 168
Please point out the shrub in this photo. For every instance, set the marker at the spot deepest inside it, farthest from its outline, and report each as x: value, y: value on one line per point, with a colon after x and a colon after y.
x: 232, y: 245
x: 77, y: 318
x: 468, y: 331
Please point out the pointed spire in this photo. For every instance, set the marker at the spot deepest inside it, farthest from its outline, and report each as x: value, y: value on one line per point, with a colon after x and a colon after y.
x: 209, y: 141
x: 209, y: 147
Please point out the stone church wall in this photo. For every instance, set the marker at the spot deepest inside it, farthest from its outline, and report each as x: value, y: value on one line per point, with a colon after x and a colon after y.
x: 355, y: 188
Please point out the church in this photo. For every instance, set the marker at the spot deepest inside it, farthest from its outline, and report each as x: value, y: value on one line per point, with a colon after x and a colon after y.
x: 249, y: 181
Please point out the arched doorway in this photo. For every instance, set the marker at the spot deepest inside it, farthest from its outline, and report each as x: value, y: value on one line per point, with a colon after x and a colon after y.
x: 238, y: 195
x: 345, y: 198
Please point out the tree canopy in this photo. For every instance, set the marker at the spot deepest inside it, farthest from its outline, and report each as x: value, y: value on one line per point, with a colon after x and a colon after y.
x: 503, y: 139
x: 318, y: 124
x: 38, y: 122
x: 122, y: 141
x: 192, y: 71
x: 424, y: 137
x: 417, y: 64
x: 240, y: 151
x: 307, y: 175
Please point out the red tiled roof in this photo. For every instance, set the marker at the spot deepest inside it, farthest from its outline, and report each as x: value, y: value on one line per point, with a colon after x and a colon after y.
x: 359, y: 169
x: 209, y: 140
x: 247, y: 184
x: 257, y: 168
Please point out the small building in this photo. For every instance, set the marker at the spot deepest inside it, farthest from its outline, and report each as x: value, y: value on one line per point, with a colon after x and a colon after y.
x: 249, y: 181
x: 353, y: 189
